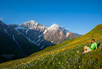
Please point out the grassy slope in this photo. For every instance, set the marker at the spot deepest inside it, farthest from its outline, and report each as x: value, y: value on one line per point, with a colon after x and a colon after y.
x: 67, y: 55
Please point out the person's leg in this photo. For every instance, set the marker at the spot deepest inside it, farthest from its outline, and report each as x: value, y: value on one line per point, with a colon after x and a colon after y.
x: 86, y: 49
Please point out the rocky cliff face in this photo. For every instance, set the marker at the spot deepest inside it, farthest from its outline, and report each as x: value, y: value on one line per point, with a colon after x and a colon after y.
x: 57, y: 34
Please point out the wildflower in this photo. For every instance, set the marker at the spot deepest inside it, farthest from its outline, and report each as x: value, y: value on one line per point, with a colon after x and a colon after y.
x: 77, y: 51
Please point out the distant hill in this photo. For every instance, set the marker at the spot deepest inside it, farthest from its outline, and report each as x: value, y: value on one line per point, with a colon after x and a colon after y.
x: 67, y: 55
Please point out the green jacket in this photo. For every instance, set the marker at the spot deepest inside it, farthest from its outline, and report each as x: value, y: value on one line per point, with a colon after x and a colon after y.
x: 93, y: 46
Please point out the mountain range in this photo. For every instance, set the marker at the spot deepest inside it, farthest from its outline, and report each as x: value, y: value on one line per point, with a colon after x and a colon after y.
x: 21, y: 40
x: 42, y: 35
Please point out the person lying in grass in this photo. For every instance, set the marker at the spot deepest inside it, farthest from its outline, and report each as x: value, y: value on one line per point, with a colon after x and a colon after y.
x: 93, y: 46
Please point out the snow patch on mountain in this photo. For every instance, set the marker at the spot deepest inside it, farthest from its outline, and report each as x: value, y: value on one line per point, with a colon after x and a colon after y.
x: 53, y: 27
x: 45, y: 32
x: 27, y: 31
x: 19, y: 27
x: 31, y: 22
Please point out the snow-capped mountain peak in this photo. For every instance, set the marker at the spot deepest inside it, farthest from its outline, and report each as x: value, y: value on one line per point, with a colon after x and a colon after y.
x: 54, y: 27
x: 31, y: 22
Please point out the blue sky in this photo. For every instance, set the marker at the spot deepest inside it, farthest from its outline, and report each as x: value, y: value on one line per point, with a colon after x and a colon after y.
x: 78, y: 16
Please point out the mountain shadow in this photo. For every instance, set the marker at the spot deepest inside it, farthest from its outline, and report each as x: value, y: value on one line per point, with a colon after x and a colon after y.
x: 14, y: 45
